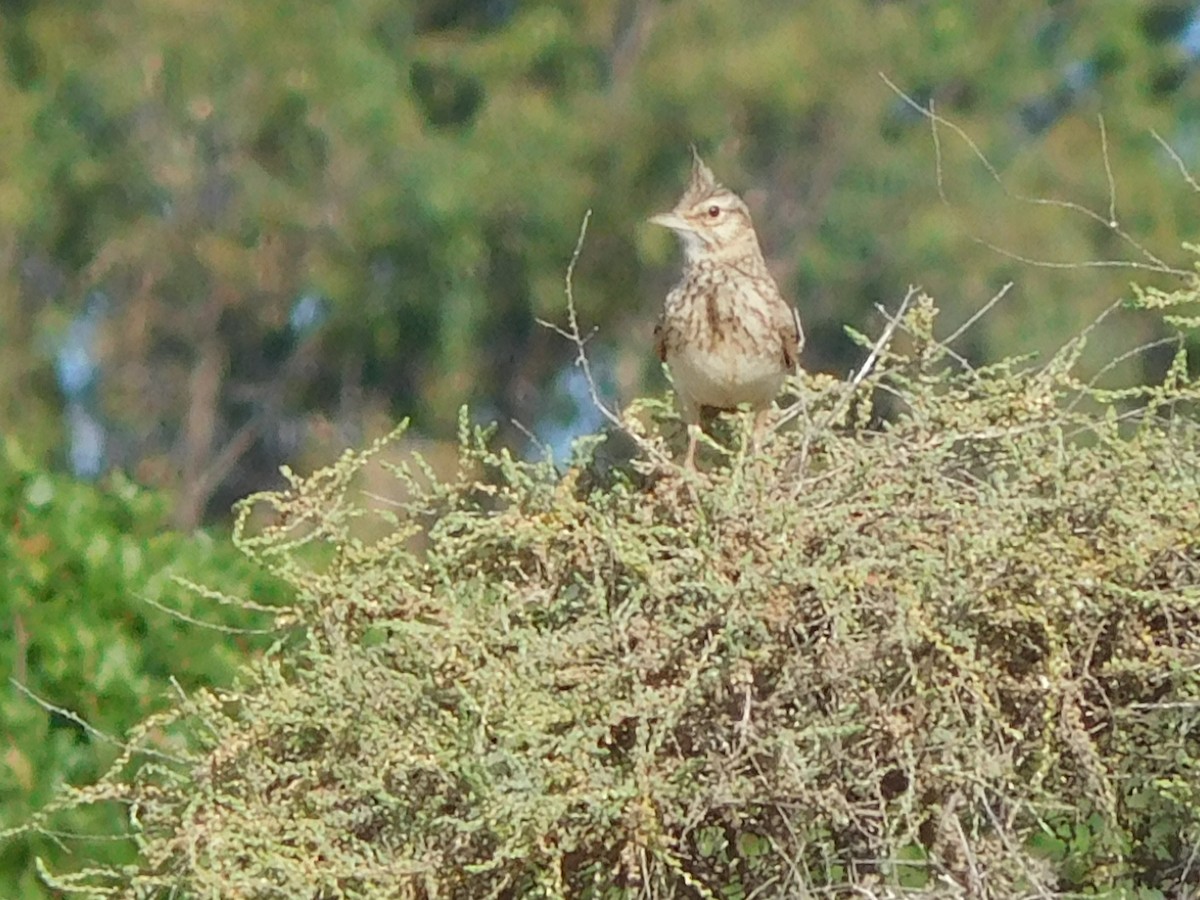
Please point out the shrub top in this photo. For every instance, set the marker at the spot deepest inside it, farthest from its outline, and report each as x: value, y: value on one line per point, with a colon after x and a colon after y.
x: 957, y: 648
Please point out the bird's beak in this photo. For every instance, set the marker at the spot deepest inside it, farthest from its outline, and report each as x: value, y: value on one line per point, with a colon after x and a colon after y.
x: 671, y: 220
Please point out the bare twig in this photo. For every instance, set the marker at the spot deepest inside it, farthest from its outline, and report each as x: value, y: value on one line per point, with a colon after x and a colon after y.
x: 212, y: 626
x: 533, y: 439
x: 945, y: 348
x: 1183, y: 169
x: 1152, y: 262
x: 850, y: 387
x: 944, y: 344
x: 1191, y: 861
x: 979, y: 314
x: 1083, y: 335
x: 877, y: 350
x: 864, y: 370
x: 1085, y: 264
x: 1006, y: 839
x: 1108, y: 173
x: 885, y: 339
x: 92, y: 729
x: 575, y: 336
x: 1168, y: 341
x: 937, y: 153
x: 572, y: 332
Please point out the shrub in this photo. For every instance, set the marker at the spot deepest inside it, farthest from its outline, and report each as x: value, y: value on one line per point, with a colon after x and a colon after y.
x: 957, y: 650
x: 88, y: 574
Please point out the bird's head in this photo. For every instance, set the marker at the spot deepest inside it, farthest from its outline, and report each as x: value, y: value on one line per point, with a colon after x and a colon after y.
x: 711, y: 221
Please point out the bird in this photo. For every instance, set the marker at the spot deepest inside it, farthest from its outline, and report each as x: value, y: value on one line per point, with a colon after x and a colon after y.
x: 726, y: 334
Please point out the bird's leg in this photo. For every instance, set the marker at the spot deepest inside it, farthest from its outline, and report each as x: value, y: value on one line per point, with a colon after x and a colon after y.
x: 693, y: 417
x: 761, y: 418
x: 693, y: 430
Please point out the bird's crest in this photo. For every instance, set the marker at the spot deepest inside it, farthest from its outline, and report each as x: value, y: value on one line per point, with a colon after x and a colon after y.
x: 702, y: 183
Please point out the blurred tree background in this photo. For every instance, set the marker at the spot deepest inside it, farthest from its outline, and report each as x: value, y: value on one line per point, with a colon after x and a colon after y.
x: 233, y: 235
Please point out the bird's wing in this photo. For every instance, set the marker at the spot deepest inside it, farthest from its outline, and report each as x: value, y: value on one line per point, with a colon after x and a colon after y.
x: 792, y: 334
x: 660, y: 339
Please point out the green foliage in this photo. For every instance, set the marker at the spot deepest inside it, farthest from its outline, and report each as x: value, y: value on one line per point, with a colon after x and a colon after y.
x: 89, y: 582
x: 956, y: 649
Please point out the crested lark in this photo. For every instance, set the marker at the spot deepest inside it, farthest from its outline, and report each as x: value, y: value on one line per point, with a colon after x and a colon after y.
x: 726, y: 333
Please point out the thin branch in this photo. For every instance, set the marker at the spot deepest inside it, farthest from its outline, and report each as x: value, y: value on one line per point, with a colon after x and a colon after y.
x: 1192, y: 857
x: 944, y: 121
x: 1108, y: 173
x: 944, y: 347
x: 575, y: 336
x: 1153, y: 263
x: 864, y: 370
x: 1168, y: 341
x: 212, y: 626
x: 850, y: 387
x: 1183, y: 169
x: 1156, y: 266
x: 877, y: 350
x: 92, y: 729
x: 937, y: 153
x: 979, y: 314
x: 1006, y: 839
x: 1086, y: 333
x: 533, y: 439
x: 1087, y: 390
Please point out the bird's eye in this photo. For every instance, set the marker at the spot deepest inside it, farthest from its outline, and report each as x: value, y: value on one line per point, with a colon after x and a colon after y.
x: 714, y: 211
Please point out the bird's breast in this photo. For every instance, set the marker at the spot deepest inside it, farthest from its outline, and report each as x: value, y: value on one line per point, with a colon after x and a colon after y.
x: 724, y: 375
